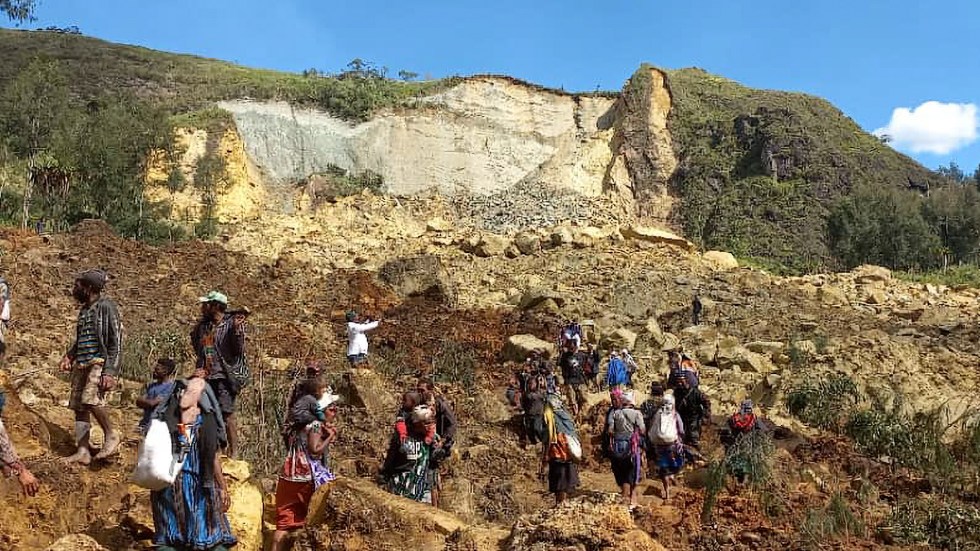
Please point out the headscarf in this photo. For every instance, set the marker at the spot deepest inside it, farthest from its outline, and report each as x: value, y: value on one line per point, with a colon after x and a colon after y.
x: 557, y: 419
x: 656, y: 389
x: 628, y: 398
x: 746, y: 407
x: 421, y: 414
x: 669, y: 401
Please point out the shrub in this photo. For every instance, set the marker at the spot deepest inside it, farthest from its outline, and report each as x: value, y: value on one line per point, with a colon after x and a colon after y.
x: 751, y: 457
x: 943, y: 524
x: 825, y: 404
x: 714, y: 483
x: 836, y: 519
x: 454, y: 362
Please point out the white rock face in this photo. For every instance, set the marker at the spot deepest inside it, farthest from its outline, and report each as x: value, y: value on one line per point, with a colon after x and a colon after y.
x: 481, y: 136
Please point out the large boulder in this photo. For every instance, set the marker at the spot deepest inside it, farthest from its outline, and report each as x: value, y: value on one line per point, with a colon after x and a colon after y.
x: 532, y: 299
x: 656, y: 235
x: 593, y: 522
x: 730, y: 353
x: 619, y: 338
x: 831, y: 295
x: 721, y: 260
x: 363, y: 388
x: 561, y: 236
x: 527, y: 242
x: 438, y: 224
x: 245, y: 514
x: 423, y: 275
x: 491, y: 245
x: 519, y: 347
x: 869, y: 273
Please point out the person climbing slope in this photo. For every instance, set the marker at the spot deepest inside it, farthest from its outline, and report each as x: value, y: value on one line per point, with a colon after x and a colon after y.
x: 93, y: 361
x: 558, y: 453
x: 666, y: 434
x: 626, y: 431
x: 617, y: 376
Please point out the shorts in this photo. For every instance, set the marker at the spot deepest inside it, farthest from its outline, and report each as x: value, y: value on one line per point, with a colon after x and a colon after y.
x: 226, y: 392
x: 357, y: 359
x: 85, y: 392
x: 292, y: 504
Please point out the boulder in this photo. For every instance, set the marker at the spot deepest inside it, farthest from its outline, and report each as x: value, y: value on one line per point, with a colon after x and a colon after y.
x: 874, y: 295
x: 590, y: 522
x: 619, y: 338
x: 245, y: 514
x: 527, y: 242
x: 423, y: 275
x: 533, y: 298
x: 721, y: 260
x: 491, y: 245
x: 770, y: 348
x: 518, y: 347
x: 831, y: 295
x: 869, y: 273
x: 652, y: 327
x: 438, y: 224
x: 76, y: 542
x: 730, y: 353
x: 363, y: 388
x: 561, y: 236
x: 656, y: 235
x: 671, y: 342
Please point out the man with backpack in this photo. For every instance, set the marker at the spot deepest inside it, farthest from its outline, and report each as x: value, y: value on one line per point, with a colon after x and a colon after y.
x: 693, y: 407
x: 93, y: 361
x: 616, y: 373
x: 625, y: 429
x: 572, y: 365
x: 218, y: 341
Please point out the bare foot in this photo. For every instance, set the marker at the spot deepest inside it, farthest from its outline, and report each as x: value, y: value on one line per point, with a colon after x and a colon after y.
x: 110, y: 446
x: 81, y: 457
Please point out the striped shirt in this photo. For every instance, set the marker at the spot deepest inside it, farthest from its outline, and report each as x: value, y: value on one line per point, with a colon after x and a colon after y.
x: 87, y: 338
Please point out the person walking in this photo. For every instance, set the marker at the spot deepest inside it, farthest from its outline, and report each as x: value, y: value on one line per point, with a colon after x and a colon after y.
x: 556, y: 453
x: 626, y: 429
x: 218, y: 341
x: 93, y: 361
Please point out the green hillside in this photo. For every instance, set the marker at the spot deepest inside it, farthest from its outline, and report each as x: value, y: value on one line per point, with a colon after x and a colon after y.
x: 760, y: 170
x: 783, y: 178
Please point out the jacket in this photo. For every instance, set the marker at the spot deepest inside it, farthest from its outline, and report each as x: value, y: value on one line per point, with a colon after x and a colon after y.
x: 229, y: 346
x: 108, y: 326
x: 616, y: 373
x: 356, y: 339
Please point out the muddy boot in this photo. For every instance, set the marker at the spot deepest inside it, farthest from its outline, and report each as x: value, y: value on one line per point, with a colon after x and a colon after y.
x: 110, y: 447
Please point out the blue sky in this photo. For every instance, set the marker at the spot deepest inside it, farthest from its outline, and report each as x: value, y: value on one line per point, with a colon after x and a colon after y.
x: 869, y: 57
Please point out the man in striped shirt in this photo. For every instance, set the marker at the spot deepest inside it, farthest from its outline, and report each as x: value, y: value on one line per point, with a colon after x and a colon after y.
x: 93, y: 361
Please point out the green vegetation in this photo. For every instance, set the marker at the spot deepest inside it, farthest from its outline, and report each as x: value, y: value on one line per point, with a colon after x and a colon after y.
x: 760, y: 170
x: 142, y: 350
x: 18, y: 10
x: 824, y: 403
x: 836, y: 519
x: 183, y: 84
x: 938, y: 523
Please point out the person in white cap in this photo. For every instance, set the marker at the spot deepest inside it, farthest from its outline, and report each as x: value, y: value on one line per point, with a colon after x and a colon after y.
x: 218, y: 340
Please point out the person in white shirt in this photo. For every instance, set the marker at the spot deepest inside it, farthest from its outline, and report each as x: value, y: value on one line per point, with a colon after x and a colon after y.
x: 357, y: 344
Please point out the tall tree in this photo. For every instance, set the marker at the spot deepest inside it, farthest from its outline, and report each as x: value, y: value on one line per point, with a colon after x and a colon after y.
x: 18, y: 10
x: 36, y: 111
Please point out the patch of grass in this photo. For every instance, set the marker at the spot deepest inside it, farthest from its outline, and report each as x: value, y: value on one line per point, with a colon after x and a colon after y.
x: 751, y: 458
x: 825, y: 404
x: 836, y: 519
x: 212, y: 119
x: 964, y: 275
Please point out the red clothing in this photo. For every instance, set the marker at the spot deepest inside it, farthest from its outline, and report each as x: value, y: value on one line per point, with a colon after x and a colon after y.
x: 296, y: 467
x: 292, y: 504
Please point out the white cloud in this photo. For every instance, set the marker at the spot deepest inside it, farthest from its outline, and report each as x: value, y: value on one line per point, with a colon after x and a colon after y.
x: 933, y: 127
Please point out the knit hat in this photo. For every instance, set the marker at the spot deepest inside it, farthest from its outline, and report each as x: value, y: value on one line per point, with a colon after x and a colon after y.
x: 96, y: 279
x: 746, y: 407
x: 656, y: 389
x: 350, y: 315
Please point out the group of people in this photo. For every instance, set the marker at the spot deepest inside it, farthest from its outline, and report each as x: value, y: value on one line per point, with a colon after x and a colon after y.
x: 657, y: 437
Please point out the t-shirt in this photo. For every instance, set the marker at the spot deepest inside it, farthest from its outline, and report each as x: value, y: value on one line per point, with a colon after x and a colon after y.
x: 155, y: 390
x: 296, y: 467
x: 625, y: 422
x: 87, y: 337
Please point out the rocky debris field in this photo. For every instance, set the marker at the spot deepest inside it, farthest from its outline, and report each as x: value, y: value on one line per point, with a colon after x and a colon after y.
x: 465, y: 314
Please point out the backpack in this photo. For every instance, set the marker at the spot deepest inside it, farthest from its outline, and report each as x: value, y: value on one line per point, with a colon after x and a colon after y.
x: 663, y: 430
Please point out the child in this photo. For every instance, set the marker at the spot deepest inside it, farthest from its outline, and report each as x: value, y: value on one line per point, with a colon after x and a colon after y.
x: 158, y: 390
x: 411, y: 401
